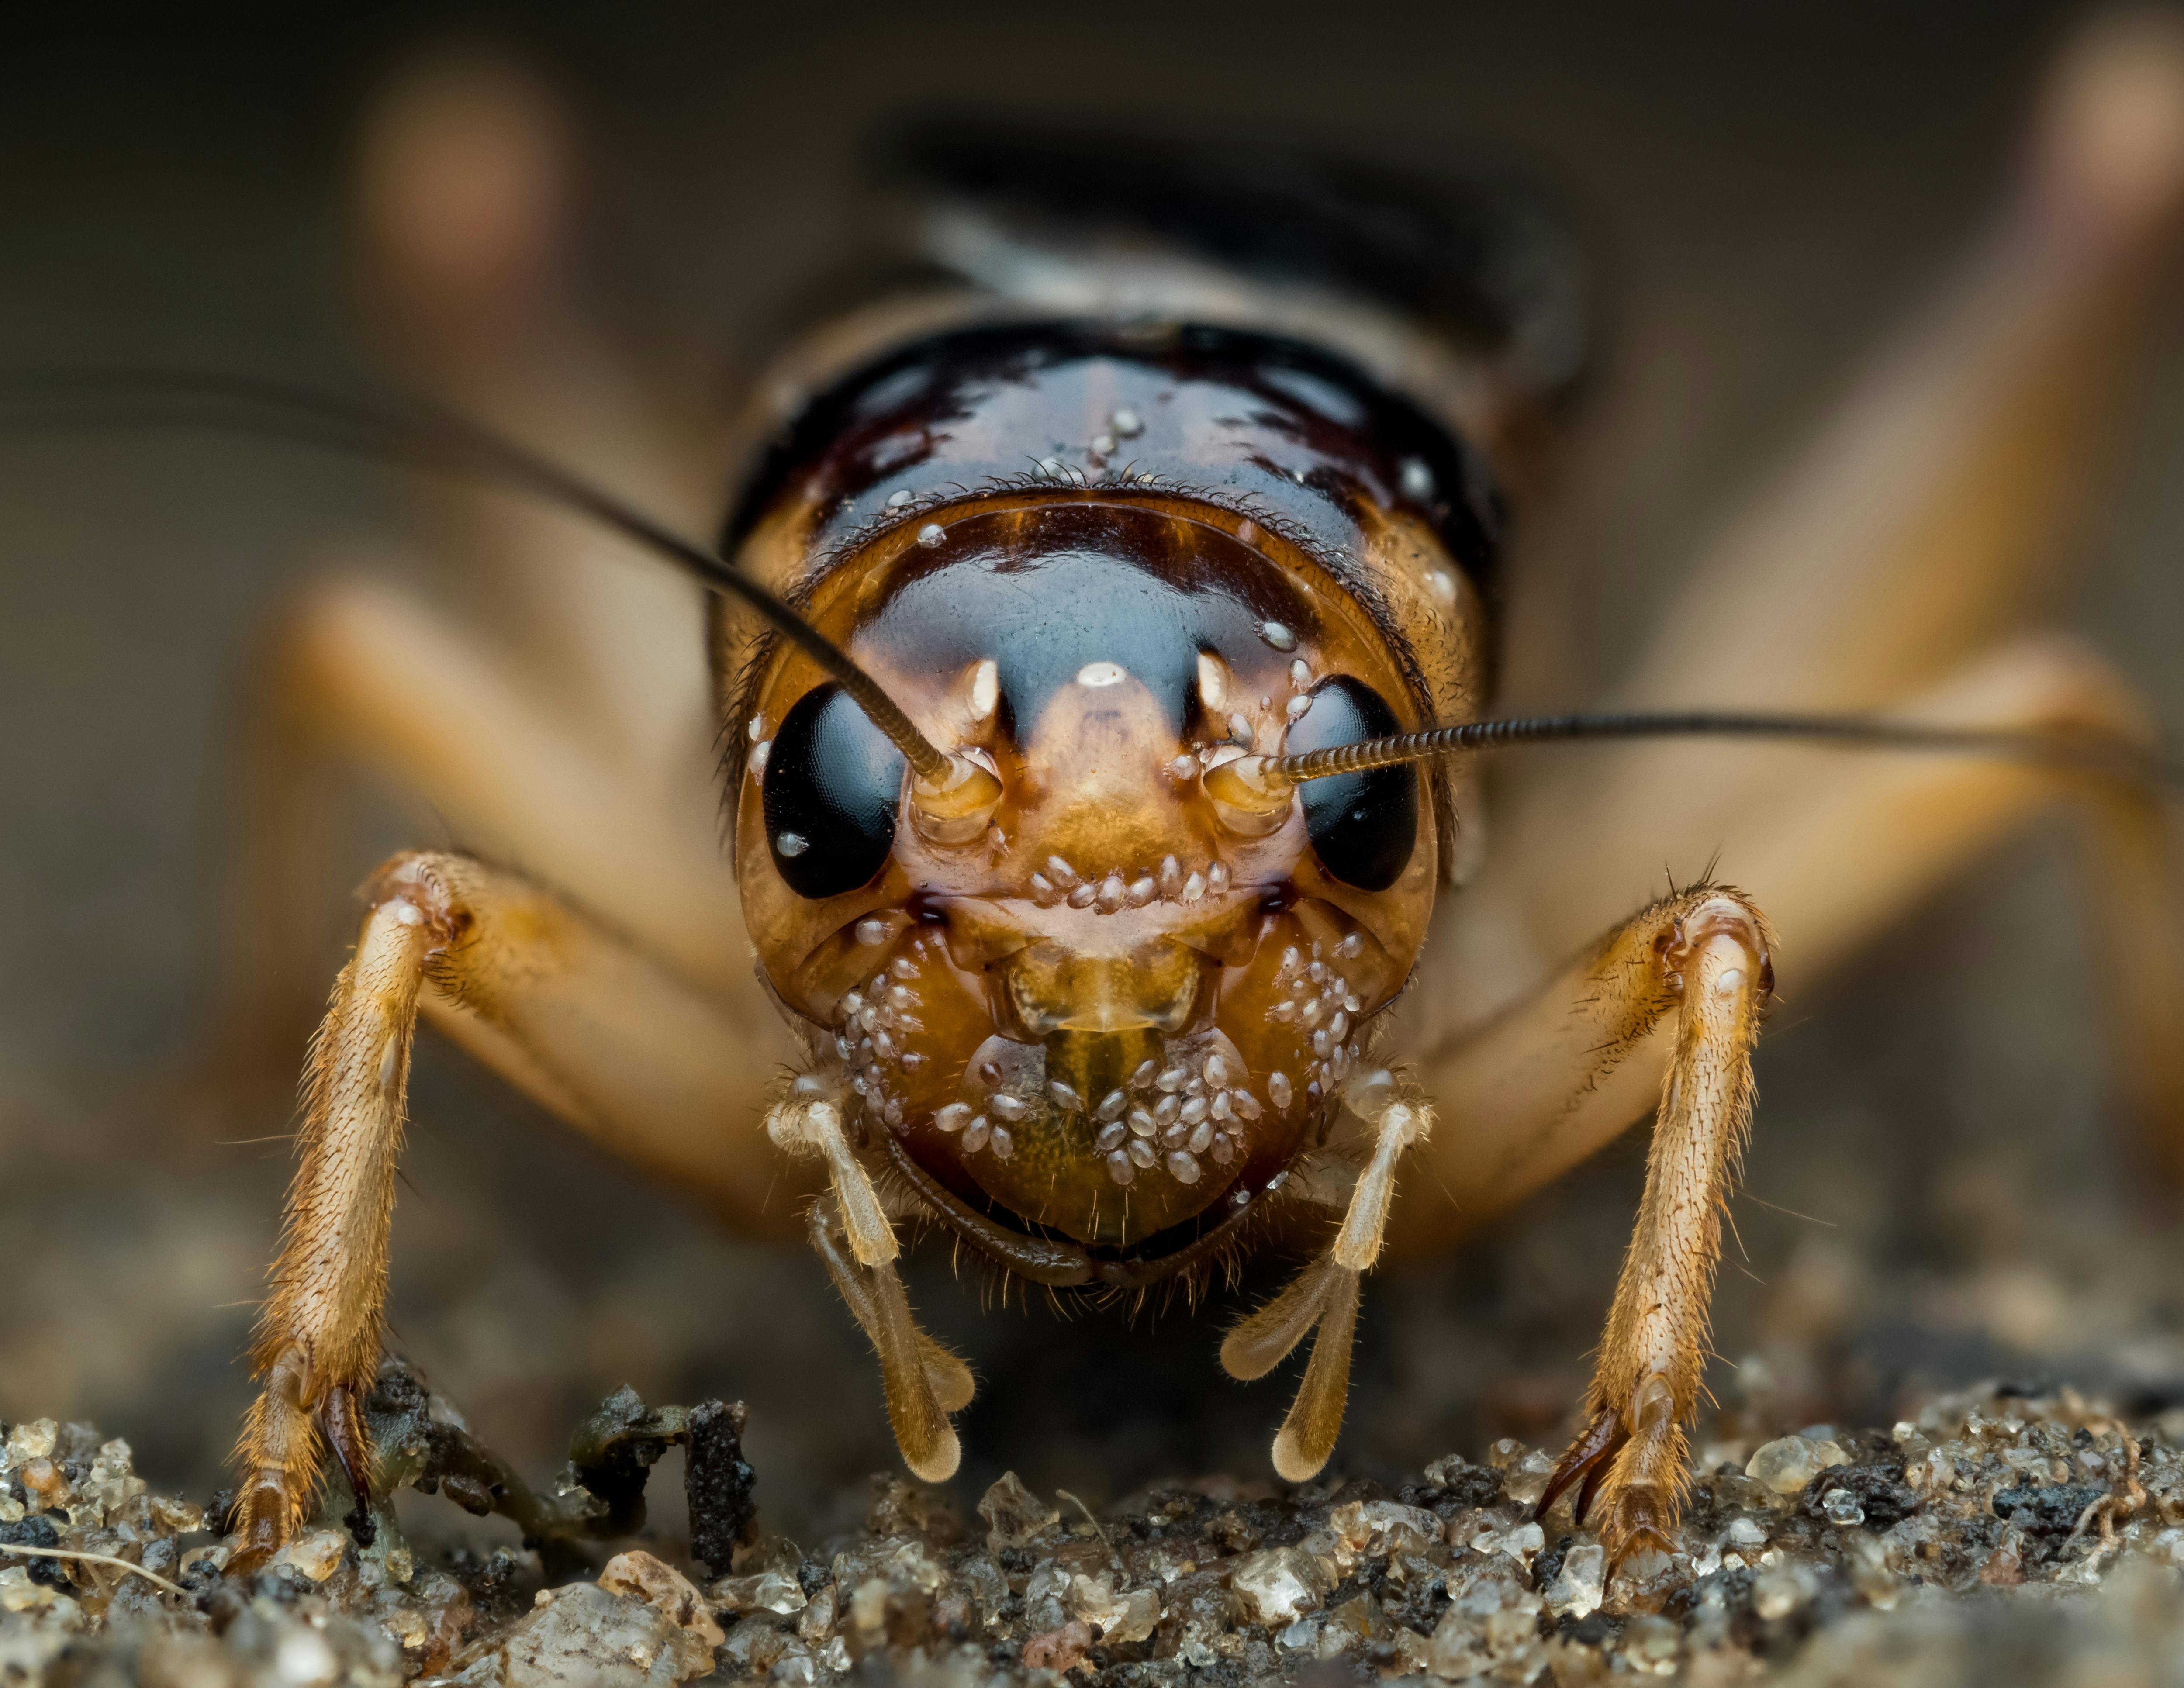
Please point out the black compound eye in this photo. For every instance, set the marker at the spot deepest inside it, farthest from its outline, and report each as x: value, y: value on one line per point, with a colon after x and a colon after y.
x: 1364, y: 826
x: 831, y: 786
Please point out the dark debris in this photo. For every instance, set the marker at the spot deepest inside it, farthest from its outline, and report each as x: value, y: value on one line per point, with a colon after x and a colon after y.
x: 1836, y: 1558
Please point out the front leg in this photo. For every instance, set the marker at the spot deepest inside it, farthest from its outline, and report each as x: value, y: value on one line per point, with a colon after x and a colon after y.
x: 1713, y: 959
x: 612, y: 1040
x: 318, y: 1336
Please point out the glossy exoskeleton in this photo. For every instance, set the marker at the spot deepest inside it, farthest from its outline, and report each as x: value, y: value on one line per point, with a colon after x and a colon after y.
x: 1093, y: 1024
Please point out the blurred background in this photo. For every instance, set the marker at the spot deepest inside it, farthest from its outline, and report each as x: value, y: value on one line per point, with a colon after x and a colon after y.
x: 1944, y: 1186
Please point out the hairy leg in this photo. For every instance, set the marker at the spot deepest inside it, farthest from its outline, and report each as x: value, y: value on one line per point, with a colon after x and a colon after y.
x: 616, y: 1043
x: 1861, y: 840
x: 1559, y: 1074
x: 1668, y: 1006
x: 1645, y: 1383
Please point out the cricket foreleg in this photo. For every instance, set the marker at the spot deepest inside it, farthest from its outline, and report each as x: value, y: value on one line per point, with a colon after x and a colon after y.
x: 612, y: 1041
x: 1714, y: 959
x: 318, y: 1336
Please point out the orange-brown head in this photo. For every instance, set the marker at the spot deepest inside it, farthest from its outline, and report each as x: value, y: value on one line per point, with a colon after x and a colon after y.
x: 1102, y: 993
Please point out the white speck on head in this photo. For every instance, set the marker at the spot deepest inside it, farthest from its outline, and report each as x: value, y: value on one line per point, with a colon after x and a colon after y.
x: 1418, y: 480
x: 1103, y: 444
x: 1050, y: 467
x: 896, y: 500
x: 1212, y: 682
x: 1277, y: 635
x: 757, y: 731
x: 872, y: 929
x: 1730, y: 982
x: 1100, y: 674
x: 1240, y: 729
x: 756, y: 760
x: 406, y: 913
x: 931, y: 535
x: 1442, y: 584
x: 1299, y: 674
x: 791, y: 843
x: 1127, y: 423
x: 1297, y: 706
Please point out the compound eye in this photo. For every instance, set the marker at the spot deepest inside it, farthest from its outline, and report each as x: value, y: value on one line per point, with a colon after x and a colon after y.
x: 1363, y: 827
x: 833, y: 785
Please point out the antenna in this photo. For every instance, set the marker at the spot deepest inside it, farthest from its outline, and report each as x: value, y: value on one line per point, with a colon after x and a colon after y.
x: 2087, y: 751
x: 413, y: 433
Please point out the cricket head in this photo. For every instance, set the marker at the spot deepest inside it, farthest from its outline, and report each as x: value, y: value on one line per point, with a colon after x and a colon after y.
x: 1098, y: 981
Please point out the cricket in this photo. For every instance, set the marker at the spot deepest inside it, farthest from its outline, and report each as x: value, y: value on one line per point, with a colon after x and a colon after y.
x: 1120, y: 862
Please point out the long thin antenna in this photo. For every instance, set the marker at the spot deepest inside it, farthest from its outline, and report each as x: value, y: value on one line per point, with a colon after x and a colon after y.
x: 415, y: 434
x: 2093, y: 754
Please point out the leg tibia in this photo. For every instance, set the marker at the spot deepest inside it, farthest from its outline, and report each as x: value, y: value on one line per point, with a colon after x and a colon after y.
x: 614, y: 1042
x: 319, y: 1327
x: 1713, y: 958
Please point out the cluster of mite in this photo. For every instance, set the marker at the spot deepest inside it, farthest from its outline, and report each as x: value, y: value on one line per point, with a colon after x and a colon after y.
x: 1322, y: 1005
x: 1058, y: 883
x: 878, y: 1021
x: 1172, y: 1111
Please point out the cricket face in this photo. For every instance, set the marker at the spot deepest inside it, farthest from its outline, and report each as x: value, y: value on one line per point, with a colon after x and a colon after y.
x: 1100, y: 1001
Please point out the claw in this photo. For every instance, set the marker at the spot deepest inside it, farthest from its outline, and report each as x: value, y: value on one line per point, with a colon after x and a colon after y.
x: 351, y: 1445
x: 1588, y: 1457
x: 1582, y: 1508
